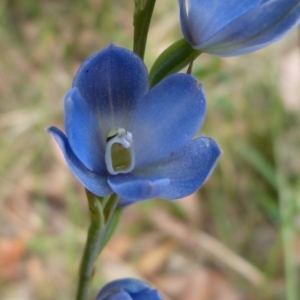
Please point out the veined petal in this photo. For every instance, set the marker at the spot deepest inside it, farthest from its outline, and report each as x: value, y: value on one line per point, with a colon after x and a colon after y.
x: 82, y: 130
x: 133, y: 188
x: 112, y: 81
x: 94, y: 182
x: 188, y: 169
x: 205, y: 18
x: 168, y: 118
x: 261, y: 26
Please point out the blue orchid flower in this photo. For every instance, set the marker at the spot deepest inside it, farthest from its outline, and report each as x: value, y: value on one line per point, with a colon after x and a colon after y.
x: 236, y: 27
x: 128, y: 289
x: 122, y: 137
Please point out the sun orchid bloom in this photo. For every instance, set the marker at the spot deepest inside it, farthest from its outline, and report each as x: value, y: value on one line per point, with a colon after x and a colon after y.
x: 128, y: 289
x: 122, y: 137
x: 236, y: 27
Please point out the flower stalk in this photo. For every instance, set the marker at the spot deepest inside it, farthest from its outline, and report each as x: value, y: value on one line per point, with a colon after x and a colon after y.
x: 141, y: 22
x: 102, y: 211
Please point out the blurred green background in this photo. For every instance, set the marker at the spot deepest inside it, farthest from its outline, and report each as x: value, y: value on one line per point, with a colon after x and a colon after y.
x: 229, y: 241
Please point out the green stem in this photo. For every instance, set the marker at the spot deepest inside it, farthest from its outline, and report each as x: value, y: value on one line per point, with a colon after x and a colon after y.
x: 141, y: 22
x: 97, y: 236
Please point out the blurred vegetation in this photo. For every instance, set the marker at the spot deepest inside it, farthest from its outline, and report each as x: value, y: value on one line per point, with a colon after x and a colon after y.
x: 42, y: 45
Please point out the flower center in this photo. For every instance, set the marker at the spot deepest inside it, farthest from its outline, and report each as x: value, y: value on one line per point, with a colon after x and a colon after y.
x: 119, y: 154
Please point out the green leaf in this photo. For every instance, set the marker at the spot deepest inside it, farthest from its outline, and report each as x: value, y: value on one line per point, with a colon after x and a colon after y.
x: 172, y: 60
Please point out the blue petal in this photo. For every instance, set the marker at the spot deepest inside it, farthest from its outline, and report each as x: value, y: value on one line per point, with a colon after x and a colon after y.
x: 144, y: 295
x: 96, y: 183
x: 82, y: 130
x: 118, y: 295
x: 185, y: 28
x: 129, y: 285
x: 188, y: 169
x: 206, y: 17
x: 134, y: 188
x: 147, y: 295
x: 112, y: 81
x: 256, y: 29
x: 168, y: 118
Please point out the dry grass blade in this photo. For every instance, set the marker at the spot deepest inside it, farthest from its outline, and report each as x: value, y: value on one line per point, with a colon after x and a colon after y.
x: 200, y: 241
